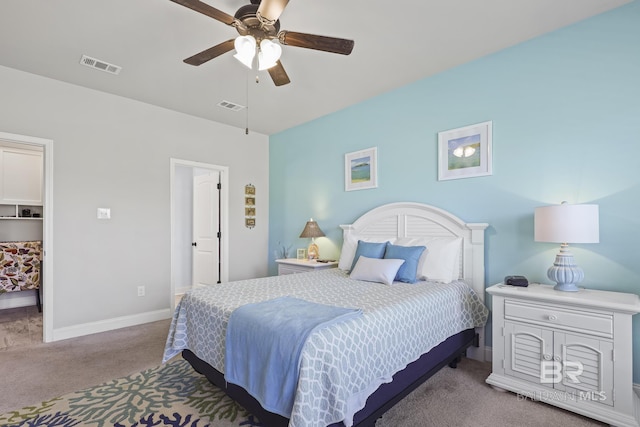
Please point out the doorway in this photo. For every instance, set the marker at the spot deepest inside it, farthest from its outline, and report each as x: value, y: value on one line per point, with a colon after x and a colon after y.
x: 201, y: 258
x: 46, y: 280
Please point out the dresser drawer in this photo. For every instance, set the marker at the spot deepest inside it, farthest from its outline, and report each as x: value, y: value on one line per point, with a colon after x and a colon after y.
x: 290, y: 269
x: 598, y: 323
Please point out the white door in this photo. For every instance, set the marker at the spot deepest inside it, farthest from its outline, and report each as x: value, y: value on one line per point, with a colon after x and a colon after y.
x: 206, y: 228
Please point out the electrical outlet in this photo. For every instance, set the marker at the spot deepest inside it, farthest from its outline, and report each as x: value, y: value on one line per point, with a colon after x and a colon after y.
x: 140, y: 291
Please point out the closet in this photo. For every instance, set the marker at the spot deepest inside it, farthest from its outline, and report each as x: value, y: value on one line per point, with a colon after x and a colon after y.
x: 21, y: 224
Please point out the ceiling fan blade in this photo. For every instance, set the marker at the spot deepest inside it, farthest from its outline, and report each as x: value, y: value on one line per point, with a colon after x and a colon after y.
x: 311, y: 41
x: 272, y: 9
x: 279, y: 75
x: 209, y: 54
x: 205, y: 9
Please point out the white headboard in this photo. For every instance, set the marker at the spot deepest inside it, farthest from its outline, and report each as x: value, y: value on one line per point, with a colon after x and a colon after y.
x: 408, y: 219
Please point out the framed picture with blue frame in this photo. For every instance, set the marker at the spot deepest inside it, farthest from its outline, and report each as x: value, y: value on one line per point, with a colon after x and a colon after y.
x: 361, y: 169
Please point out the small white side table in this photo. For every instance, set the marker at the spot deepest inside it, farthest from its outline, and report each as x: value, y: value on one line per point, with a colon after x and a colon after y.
x: 293, y: 266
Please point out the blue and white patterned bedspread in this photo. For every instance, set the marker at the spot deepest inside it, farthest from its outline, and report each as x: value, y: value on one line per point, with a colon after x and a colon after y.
x: 343, y: 364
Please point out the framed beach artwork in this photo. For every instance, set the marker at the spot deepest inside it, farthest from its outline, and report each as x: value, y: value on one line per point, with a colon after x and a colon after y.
x: 465, y: 152
x: 361, y: 169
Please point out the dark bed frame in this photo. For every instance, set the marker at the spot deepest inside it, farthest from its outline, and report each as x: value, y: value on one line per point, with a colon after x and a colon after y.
x: 386, y: 396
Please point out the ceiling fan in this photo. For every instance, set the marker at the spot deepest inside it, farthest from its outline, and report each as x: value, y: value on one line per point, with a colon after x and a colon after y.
x: 258, y: 24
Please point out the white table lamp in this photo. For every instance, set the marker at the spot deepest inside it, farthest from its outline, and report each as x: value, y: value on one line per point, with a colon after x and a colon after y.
x: 566, y: 224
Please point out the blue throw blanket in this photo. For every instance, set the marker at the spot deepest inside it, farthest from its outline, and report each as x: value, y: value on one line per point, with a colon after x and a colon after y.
x: 263, y: 345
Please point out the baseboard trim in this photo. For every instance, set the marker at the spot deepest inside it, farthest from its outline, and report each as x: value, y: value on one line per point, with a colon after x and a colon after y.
x: 109, y: 324
x: 476, y: 353
x: 488, y: 354
x: 17, y: 299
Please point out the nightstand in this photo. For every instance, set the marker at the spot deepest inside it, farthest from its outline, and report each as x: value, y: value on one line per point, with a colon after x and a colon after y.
x: 568, y: 349
x: 293, y: 266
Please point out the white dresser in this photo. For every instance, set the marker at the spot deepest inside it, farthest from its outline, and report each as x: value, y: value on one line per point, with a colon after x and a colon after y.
x: 569, y: 349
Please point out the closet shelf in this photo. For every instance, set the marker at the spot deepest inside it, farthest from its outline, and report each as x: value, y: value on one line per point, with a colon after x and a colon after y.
x: 11, y: 211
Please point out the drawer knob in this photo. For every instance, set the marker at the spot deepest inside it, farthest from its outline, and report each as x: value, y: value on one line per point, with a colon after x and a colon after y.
x: 552, y: 317
x: 556, y: 358
x: 547, y: 357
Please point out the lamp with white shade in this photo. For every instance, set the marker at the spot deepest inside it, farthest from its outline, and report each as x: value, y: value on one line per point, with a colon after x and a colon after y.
x: 312, y: 230
x: 566, y: 224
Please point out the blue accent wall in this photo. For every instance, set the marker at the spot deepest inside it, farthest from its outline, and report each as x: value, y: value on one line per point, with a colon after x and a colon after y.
x: 566, y: 126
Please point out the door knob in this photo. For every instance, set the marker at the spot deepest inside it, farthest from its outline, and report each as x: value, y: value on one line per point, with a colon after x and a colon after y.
x: 194, y: 244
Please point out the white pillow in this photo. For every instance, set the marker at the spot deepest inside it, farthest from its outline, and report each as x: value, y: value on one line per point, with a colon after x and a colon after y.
x: 376, y: 270
x: 441, y: 261
x: 350, y: 245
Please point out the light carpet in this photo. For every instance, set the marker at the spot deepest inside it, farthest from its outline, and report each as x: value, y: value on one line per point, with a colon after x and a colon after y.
x: 175, y: 395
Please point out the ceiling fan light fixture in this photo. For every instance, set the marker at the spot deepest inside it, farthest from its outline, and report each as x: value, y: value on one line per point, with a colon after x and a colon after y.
x: 245, y: 49
x: 269, y: 54
x: 256, y: 22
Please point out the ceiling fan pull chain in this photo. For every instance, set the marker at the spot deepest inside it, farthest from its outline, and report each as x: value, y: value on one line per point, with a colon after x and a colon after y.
x: 246, y: 128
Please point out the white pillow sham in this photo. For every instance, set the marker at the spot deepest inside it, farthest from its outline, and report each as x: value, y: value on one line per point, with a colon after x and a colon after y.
x: 376, y: 270
x: 441, y: 261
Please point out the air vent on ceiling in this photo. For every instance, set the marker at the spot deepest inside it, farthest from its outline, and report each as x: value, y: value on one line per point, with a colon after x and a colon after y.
x: 230, y: 106
x: 100, y: 65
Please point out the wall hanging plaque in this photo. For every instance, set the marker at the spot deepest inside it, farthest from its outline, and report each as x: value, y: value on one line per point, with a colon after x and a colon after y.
x: 249, y: 206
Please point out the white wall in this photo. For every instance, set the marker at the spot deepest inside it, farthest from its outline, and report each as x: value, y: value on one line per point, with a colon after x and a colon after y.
x: 183, y: 222
x: 18, y: 230
x: 113, y: 152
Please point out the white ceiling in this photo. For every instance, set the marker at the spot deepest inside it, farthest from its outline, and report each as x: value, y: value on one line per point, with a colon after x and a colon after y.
x: 396, y: 43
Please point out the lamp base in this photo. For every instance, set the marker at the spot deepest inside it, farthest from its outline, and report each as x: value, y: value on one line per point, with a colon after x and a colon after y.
x: 565, y: 272
x: 566, y: 287
x: 313, y: 251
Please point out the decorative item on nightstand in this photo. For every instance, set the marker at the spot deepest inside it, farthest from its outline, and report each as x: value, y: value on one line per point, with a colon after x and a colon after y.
x: 566, y: 224
x: 311, y: 230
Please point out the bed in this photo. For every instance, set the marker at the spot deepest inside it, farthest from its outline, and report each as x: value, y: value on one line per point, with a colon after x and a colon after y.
x: 352, y: 371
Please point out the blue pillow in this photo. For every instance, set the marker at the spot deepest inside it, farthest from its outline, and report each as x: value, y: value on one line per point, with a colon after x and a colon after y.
x: 411, y: 255
x: 370, y: 250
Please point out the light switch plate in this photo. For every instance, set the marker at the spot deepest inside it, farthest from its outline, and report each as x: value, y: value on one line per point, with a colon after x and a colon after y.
x: 104, y: 213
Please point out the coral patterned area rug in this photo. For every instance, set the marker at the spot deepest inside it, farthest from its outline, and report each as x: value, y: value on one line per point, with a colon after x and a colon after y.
x: 169, y: 395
